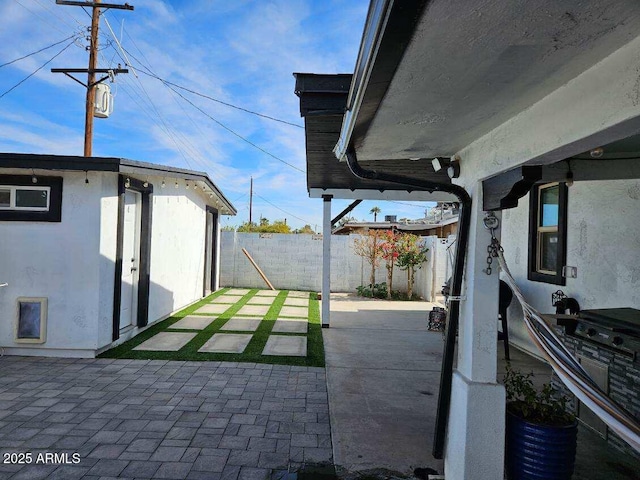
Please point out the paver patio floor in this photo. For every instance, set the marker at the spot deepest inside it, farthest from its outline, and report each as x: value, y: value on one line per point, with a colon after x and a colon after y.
x: 161, y: 419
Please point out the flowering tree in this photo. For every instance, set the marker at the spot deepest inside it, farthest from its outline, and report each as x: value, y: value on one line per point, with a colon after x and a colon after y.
x: 390, y: 254
x: 412, y: 254
x: 369, y: 246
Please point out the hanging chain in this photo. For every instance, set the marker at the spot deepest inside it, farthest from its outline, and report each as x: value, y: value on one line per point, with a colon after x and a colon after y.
x: 491, y: 222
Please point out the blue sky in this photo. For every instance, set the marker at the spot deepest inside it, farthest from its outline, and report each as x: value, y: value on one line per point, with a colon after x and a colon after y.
x: 241, y: 52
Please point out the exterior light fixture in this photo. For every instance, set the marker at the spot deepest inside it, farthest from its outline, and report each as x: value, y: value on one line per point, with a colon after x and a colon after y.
x: 163, y: 184
x: 145, y: 184
x: 597, y: 152
x: 86, y: 178
x: 569, y: 178
x: 177, y: 184
x: 454, y: 167
x: 127, y: 183
x: 34, y: 179
x: 437, y: 164
x: 187, y: 186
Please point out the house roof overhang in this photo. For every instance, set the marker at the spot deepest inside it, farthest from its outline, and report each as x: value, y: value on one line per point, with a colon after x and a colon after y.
x: 111, y: 164
x: 432, y: 76
x: 322, y: 104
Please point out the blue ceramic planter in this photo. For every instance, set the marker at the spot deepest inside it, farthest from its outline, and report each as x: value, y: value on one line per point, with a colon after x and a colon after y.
x: 539, y: 452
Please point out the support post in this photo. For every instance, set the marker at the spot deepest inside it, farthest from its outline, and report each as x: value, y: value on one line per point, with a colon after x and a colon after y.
x: 475, y: 439
x: 326, y: 260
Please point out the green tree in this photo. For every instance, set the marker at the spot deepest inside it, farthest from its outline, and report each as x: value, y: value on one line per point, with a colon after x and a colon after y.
x: 306, y: 229
x: 278, y: 226
x: 375, y: 211
x: 412, y: 253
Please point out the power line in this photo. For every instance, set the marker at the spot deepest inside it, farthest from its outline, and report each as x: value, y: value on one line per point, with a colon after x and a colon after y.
x: 142, y: 67
x: 283, y: 211
x: 37, y: 51
x: 36, y: 71
x: 45, y: 20
x: 222, y: 102
x: 167, y: 82
x: 234, y: 132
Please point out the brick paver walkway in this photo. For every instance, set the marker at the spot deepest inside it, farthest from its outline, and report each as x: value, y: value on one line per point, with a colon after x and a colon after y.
x: 160, y: 419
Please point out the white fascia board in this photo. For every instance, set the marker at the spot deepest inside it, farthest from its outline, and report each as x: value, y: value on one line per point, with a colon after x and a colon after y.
x: 403, y: 195
x: 376, y: 23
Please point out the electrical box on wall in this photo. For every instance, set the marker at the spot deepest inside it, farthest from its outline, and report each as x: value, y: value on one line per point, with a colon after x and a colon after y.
x: 569, y: 272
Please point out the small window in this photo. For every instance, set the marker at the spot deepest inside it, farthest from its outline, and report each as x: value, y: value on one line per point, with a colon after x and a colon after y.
x: 22, y: 199
x: 35, y: 199
x: 547, y: 233
x: 32, y: 320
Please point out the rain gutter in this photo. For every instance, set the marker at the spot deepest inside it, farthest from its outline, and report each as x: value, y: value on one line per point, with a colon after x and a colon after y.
x: 453, y: 314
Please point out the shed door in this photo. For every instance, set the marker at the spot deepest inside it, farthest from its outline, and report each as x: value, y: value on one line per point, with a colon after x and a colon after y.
x: 130, y: 258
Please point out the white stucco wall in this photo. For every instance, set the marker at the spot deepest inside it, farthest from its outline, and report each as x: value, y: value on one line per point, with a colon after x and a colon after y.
x: 59, y: 261
x: 603, y: 241
x: 72, y: 263
x: 295, y: 262
x: 177, y: 249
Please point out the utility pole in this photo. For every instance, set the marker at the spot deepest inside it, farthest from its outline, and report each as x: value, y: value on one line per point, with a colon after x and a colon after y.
x: 91, y: 78
x: 250, y: 203
x: 96, y: 6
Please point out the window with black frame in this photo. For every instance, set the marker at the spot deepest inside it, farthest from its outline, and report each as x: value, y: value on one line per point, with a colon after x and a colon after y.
x: 548, y: 233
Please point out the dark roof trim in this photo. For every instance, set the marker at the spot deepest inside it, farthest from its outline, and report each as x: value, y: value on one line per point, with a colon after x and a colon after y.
x: 388, y: 30
x: 105, y: 164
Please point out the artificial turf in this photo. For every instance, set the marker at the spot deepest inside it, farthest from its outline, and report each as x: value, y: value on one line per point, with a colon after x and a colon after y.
x: 253, y: 352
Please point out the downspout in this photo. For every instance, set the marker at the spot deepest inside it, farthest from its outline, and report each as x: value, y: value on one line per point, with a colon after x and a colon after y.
x: 446, y: 374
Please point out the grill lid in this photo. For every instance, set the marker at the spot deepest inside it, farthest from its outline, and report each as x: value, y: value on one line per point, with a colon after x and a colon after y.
x: 616, y: 319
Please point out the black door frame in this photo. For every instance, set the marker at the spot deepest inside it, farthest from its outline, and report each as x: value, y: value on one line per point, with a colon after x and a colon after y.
x: 214, y: 246
x: 146, y: 191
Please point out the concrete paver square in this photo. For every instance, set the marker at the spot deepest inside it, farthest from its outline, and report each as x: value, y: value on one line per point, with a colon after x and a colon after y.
x: 267, y: 293
x: 242, y: 324
x: 287, y: 311
x: 288, y: 325
x: 213, y: 308
x: 254, y: 310
x: 286, y: 345
x: 297, y: 302
x: 194, y: 322
x: 260, y: 301
x: 298, y: 295
x: 167, y: 341
x: 237, y: 291
x: 226, y: 299
x: 226, y: 343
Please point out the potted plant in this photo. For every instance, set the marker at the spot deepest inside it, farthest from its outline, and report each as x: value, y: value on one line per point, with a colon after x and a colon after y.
x: 541, y: 435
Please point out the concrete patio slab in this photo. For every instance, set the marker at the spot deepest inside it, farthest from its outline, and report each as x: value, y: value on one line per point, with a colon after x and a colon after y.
x: 167, y: 341
x: 226, y: 299
x: 213, y: 308
x: 289, y: 325
x: 301, y: 312
x: 242, y: 324
x: 296, y: 302
x: 237, y: 291
x: 226, y: 343
x: 295, y: 294
x: 260, y: 301
x: 254, y: 310
x: 193, y: 322
x: 267, y: 293
x: 383, y: 369
x: 286, y: 345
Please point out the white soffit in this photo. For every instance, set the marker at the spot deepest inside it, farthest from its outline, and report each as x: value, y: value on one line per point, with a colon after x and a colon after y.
x: 473, y: 65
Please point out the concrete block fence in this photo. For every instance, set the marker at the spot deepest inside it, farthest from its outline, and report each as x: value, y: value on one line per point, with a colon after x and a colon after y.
x: 294, y: 262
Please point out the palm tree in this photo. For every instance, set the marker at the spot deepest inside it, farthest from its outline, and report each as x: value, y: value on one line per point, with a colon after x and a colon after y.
x: 375, y: 211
